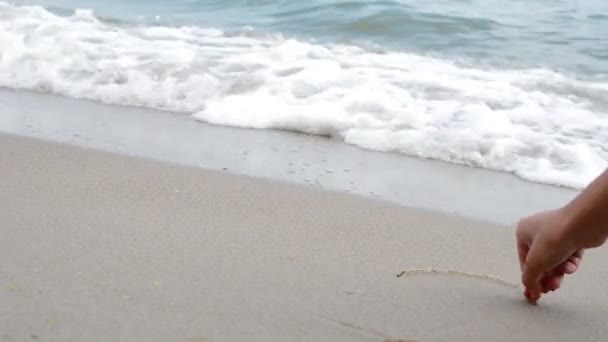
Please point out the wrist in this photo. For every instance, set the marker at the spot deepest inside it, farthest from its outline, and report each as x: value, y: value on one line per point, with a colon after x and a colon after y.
x: 578, y: 231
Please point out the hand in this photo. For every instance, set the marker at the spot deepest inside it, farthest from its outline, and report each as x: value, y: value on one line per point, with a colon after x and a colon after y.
x: 545, y: 254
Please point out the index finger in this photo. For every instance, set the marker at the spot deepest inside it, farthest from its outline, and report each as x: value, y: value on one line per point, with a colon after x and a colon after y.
x: 522, y: 252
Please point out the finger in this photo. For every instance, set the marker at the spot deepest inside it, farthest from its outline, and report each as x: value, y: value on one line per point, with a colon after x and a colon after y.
x: 532, y: 275
x: 569, y: 267
x: 555, y: 283
x: 577, y: 257
x: 571, y: 264
x: 552, y: 283
x: 531, y: 298
x: 534, y: 291
x: 542, y: 257
x: 522, y: 252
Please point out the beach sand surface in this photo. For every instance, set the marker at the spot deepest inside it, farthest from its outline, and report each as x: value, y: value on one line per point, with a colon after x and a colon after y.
x: 103, y: 247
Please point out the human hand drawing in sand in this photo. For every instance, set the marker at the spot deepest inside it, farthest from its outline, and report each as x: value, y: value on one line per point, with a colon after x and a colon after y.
x: 551, y: 244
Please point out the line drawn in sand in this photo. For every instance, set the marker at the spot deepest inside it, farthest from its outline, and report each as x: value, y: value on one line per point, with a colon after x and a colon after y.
x: 485, y: 277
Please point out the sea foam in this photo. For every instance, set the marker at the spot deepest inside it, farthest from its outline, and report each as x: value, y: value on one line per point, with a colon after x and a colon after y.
x: 539, y: 124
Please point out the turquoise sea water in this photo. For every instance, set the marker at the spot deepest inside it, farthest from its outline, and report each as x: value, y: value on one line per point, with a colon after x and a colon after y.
x: 516, y: 86
x: 566, y: 34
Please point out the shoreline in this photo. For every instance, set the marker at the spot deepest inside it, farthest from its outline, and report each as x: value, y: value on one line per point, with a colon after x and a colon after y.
x: 278, y: 155
x: 100, y: 246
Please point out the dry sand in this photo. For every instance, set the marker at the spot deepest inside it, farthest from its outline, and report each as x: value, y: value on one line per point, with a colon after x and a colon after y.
x: 103, y: 247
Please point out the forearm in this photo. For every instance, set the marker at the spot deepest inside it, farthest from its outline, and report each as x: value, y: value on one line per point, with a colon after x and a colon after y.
x: 587, y: 215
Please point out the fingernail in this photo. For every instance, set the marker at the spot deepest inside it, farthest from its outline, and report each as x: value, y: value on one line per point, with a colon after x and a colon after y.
x: 531, y: 297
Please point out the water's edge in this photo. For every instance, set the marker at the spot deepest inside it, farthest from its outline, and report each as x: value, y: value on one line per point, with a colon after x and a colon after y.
x: 287, y: 157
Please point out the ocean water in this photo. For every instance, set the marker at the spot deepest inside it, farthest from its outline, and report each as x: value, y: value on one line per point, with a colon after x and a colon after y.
x: 516, y: 86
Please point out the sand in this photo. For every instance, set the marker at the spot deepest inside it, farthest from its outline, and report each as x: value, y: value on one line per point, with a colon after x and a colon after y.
x: 277, y: 155
x: 103, y: 247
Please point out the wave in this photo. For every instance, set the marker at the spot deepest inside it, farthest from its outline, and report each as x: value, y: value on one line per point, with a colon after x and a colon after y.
x: 539, y: 124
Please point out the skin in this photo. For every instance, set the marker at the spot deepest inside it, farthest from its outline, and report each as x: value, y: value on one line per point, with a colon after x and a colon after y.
x: 551, y: 244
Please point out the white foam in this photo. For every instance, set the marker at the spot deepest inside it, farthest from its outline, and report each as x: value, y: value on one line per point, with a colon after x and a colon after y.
x: 538, y: 124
